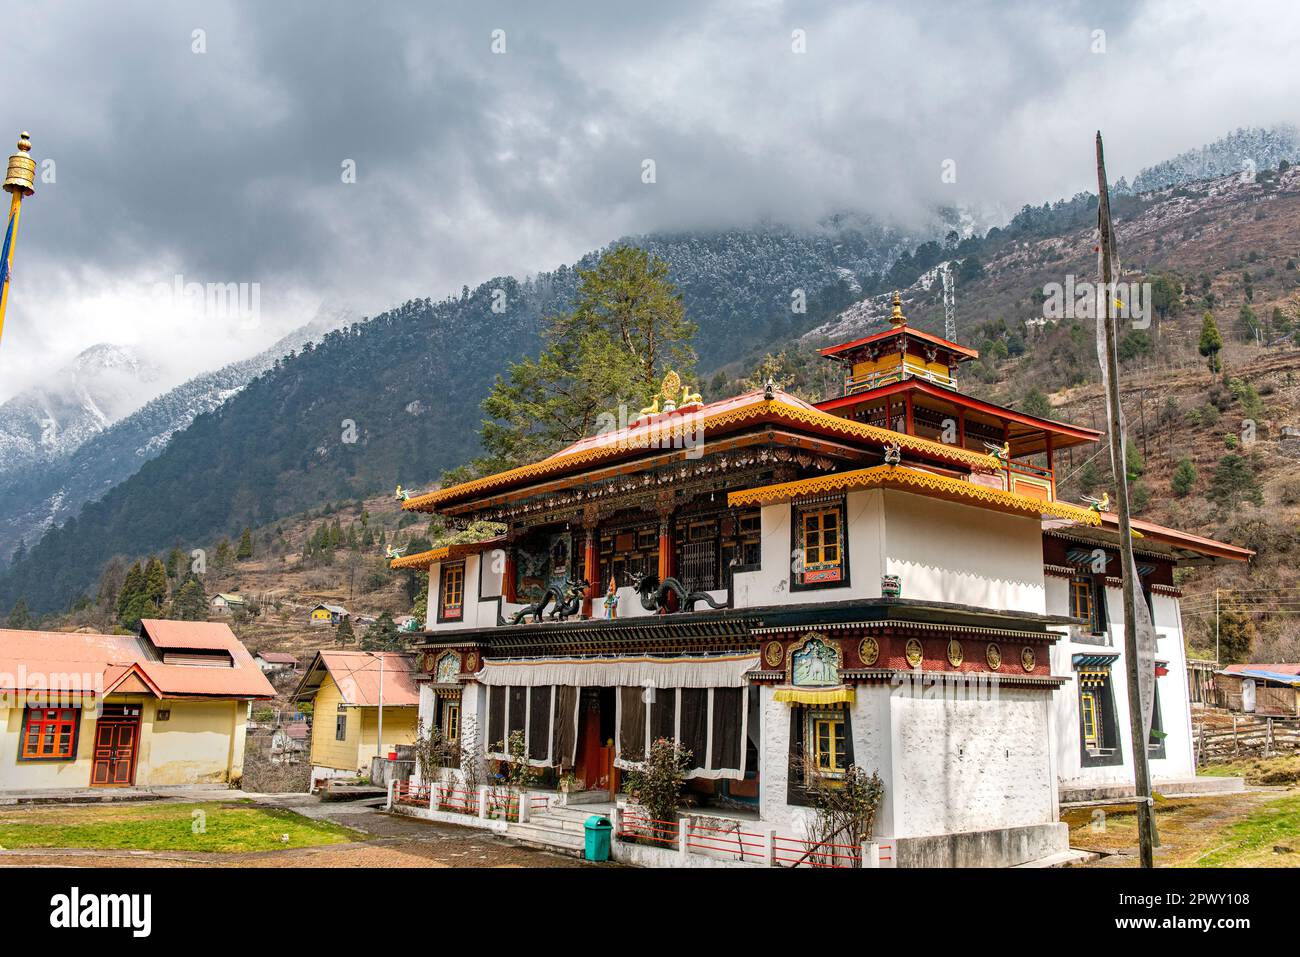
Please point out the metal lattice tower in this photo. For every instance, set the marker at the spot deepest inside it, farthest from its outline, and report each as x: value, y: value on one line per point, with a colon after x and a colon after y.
x: 949, y: 303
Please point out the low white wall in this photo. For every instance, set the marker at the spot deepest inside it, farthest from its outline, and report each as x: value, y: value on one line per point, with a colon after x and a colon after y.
x: 971, y: 765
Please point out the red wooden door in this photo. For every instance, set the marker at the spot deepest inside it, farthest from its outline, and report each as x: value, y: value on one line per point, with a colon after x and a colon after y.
x: 115, y: 746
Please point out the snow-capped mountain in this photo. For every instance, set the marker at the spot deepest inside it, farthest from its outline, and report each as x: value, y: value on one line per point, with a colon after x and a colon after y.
x: 49, y: 422
x: 60, y: 450
x: 1243, y: 151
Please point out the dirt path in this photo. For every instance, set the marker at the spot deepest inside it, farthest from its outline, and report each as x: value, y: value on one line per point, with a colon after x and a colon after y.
x: 1241, y: 828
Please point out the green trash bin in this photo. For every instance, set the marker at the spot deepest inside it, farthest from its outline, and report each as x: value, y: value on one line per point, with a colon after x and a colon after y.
x: 598, y: 830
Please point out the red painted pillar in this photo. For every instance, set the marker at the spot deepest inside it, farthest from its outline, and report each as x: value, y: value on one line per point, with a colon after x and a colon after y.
x: 666, y: 553
x: 590, y: 570
x: 910, y: 428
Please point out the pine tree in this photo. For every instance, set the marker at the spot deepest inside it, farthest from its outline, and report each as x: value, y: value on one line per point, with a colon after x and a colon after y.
x: 191, y: 603
x: 130, y: 593
x: 20, y: 552
x: 245, y: 550
x: 1184, y: 478
x: 1236, y: 633
x: 344, y: 633
x: 1211, y: 342
x: 155, y: 584
x: 222, y: 560
x: 626, y: 330
x: 382, y: 635
x: 175, y: 563
x: 1234, y: 482
x: 19, y: 617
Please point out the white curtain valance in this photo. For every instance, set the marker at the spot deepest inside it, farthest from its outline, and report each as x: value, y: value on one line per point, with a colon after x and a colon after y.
x: 687, y: 671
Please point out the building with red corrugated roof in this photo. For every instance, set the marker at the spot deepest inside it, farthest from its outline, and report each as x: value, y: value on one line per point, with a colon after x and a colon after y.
x: 164, y: 707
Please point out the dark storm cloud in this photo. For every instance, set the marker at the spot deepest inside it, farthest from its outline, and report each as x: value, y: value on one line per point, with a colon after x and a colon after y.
x: 225, y: 165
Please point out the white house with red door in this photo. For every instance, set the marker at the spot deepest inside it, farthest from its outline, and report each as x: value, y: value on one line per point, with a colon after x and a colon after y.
x: 165, y: 707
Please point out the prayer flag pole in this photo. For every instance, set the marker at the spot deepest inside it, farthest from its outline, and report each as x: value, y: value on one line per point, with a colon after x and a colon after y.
x: 1137, y: 723
x: 18, y: 183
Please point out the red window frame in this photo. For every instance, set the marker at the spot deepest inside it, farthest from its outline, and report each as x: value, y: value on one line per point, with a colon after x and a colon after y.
x: 50, y: 734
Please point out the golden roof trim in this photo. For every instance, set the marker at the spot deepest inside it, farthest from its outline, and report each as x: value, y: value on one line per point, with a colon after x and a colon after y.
x: 911, y: 480
x: 781, y: 410
x: 421, y: 559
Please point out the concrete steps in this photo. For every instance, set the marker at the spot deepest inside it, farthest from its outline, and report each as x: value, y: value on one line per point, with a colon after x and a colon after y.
x: 561, y: 829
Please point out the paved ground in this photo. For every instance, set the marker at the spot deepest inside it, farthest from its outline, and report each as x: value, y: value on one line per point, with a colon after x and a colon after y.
x: 395, y: 842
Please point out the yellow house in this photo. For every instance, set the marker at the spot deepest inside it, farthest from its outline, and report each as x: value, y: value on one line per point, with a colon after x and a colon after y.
x: 324, y: 614
x: 165, y: 707
x: 345, y: 689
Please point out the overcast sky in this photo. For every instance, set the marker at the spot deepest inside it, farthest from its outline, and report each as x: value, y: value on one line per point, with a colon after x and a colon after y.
x: 219, y: 156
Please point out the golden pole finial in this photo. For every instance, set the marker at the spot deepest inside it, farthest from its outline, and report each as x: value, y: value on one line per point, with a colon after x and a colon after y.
x: 896, y: 318
x: 21, y: 177
x: 19, y: 181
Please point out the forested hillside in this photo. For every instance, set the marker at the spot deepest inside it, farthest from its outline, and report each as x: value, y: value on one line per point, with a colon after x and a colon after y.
x: 396, y: 399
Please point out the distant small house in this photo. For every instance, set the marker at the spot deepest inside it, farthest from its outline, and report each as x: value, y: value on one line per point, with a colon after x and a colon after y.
x: 227, y: 603
x: 345, y: 688
x: 1268, y: 690
x: 289, y: 743
x: 275, y: 661
x: 328, y: 614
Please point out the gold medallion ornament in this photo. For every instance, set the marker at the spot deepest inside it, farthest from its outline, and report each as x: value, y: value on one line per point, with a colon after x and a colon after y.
x: 471, y: 662
x: 915, y: 652
x: 773, y: 654
x: 868, y: 651
x: 955, y: 653
x: 993, y: 655
x: 1027, y: 658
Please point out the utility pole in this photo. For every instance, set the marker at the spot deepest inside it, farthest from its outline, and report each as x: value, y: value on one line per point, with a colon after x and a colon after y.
x: 1106, y: 299
x: 19, y: 182
x: 379, y: 732
x: 1216, y: 628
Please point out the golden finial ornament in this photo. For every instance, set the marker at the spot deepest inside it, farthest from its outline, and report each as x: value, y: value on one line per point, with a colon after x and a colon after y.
x: 21, y: 177
x: 896, y: 318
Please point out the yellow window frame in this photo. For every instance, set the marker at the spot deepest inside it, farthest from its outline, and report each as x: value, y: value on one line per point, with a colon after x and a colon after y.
x: 453, y: 587
x: 819, y: 525
x: 1088, y: 713
x: 451, y: 721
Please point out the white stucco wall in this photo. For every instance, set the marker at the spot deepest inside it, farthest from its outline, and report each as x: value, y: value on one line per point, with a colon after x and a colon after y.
x: 944, y: 551
x: 1175, y: 709
x: 970, y: 765
x: 770, y: 585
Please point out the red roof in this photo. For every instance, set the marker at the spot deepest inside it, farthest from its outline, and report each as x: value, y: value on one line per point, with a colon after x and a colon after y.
x: 960, y: 351
x: 277, y: 657
x: 198, y: 635
x: 93, y: 664
x: 1288, y: 669
x: 1073, y: 434
x: 1172, y: 536
x: 357, y: 675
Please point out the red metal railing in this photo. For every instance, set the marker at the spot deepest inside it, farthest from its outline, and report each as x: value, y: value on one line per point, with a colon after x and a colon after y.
x: 539, y: 802
x: 727, y: 840
x: 637, y: 827
x: 796, y: 852
x: 457, y: 800
x: 499, y: 801
x: 404, y: 792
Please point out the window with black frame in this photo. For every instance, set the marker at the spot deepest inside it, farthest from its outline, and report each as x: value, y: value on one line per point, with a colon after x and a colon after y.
x: 820, y: 545
x: 1098, y: 722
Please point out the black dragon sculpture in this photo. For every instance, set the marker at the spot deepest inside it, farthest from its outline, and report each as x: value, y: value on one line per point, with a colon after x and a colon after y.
x: 654, y: 595
x: 567, y: 598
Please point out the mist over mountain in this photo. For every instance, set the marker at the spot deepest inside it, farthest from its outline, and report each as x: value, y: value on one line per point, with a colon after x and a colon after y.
x: 94, y: 432
x: 396, y: 399
x: 43, y: 424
